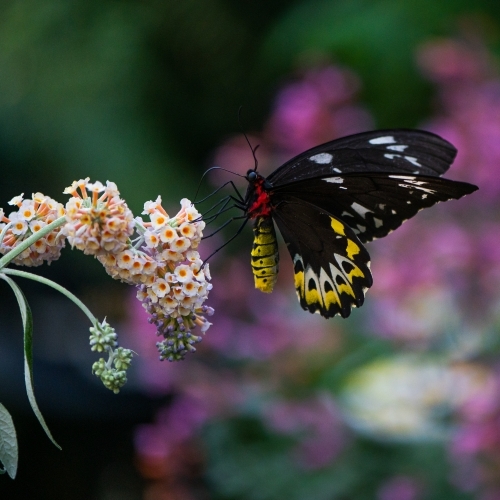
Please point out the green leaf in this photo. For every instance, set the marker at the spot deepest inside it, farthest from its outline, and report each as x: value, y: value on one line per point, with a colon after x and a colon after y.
x: 28, y: 353
x: 9, y: 452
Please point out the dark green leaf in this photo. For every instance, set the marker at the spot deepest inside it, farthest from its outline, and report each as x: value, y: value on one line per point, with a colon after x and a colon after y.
x: 9, y: 452
x: 28, y: 353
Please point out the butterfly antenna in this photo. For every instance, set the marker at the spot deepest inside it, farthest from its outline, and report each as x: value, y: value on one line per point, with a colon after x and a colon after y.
x: 252, y: 149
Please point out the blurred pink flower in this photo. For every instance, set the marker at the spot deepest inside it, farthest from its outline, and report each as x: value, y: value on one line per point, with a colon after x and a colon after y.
x: 399, y: 488
x: 475, y: 444
x: 453, y: 250
x: 316, y: 109
x: 317, y: 422
x: 174, y: 424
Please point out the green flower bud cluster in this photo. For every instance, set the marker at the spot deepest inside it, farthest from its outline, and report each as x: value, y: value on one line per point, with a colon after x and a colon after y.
x: 113, y: 373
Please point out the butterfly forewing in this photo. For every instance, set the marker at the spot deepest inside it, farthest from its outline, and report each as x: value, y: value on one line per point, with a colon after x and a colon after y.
x: 396, y: 151
x: 331, y: 265
x: 373, y: 204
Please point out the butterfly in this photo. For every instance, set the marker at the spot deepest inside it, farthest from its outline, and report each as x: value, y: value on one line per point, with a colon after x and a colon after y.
x: 330, y: 200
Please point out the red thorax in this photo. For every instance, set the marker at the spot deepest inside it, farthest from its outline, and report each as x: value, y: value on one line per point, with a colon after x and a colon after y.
x: 259, y: 201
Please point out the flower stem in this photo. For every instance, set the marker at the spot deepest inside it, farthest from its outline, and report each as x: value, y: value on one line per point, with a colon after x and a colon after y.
x: 59, y: 288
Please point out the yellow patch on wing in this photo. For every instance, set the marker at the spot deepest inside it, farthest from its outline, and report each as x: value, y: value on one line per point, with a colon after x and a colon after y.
x: 337, y: 226
x: 328, y: 290
x: 355, y: 272
x: 352, y: 249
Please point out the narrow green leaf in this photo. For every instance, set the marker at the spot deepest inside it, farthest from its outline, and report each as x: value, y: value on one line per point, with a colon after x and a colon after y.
x: 9, y: 452
x: 28, y: 353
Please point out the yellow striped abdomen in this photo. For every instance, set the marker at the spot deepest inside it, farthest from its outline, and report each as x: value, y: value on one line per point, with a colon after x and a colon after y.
x: 265, y: 255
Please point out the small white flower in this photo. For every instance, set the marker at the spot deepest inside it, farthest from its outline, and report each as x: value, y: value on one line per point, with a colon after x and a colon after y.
x: 125, y: 259
x: 158, y: 219
x: 27, y: 210
x: 151, y: 206
x: 112, y: 189
x: 168, y: 234
x: 190, y: 288
x: 206, y: 271
x: 95, y: 187
x: 161, y: 287
x: 183, y: 273
x: 171, y: 255
x: 36, y: 225
x: 192, y: 214
x: 19, y: 225
x: 180, y: 245
x: 17, y: 200
x: 187, y: 230
x: 151, y: 239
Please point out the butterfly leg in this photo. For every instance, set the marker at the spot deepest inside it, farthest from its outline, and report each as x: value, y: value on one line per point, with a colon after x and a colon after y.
x: 230, y: 239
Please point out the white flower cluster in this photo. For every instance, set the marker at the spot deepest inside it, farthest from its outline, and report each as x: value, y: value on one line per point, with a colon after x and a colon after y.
x: 162, y: 260
x: 97, y: 223
x: 174, y: 293
x: 32, y: 215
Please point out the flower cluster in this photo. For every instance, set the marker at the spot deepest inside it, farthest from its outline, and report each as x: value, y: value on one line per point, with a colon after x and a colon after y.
x: 32, y: 215
x: 161, y: 260
x: 175, y: 291
x: 100, y: 223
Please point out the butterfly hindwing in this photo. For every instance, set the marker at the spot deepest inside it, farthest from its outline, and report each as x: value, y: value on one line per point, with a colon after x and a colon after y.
x: 396, y: 151
x: 374, y: 204
x: 331, y: 265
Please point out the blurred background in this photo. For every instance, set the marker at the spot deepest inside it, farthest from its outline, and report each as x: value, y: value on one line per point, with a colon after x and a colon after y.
x: 399, y: 402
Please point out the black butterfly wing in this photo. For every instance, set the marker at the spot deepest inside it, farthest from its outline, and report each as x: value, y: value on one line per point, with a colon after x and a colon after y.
x: 331, y: 265
x: 393, y: 151
x: 373, y: 204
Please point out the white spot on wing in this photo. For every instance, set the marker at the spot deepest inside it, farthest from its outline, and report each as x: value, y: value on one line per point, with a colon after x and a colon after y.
x: 337, y: 170
x: 388, y: 139
x: 335, y: 180
x: 413, y: 184
x: 378, y: 222
x: 322, y: 158
x: 391, y: 156
x: 407, y: 178
x: 359, y: 209
x: 398, y: 147
x: 412, y: 160
x: 361, y: 228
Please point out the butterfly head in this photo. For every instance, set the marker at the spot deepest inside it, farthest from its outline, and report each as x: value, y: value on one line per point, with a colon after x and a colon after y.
x: 252, y: 176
